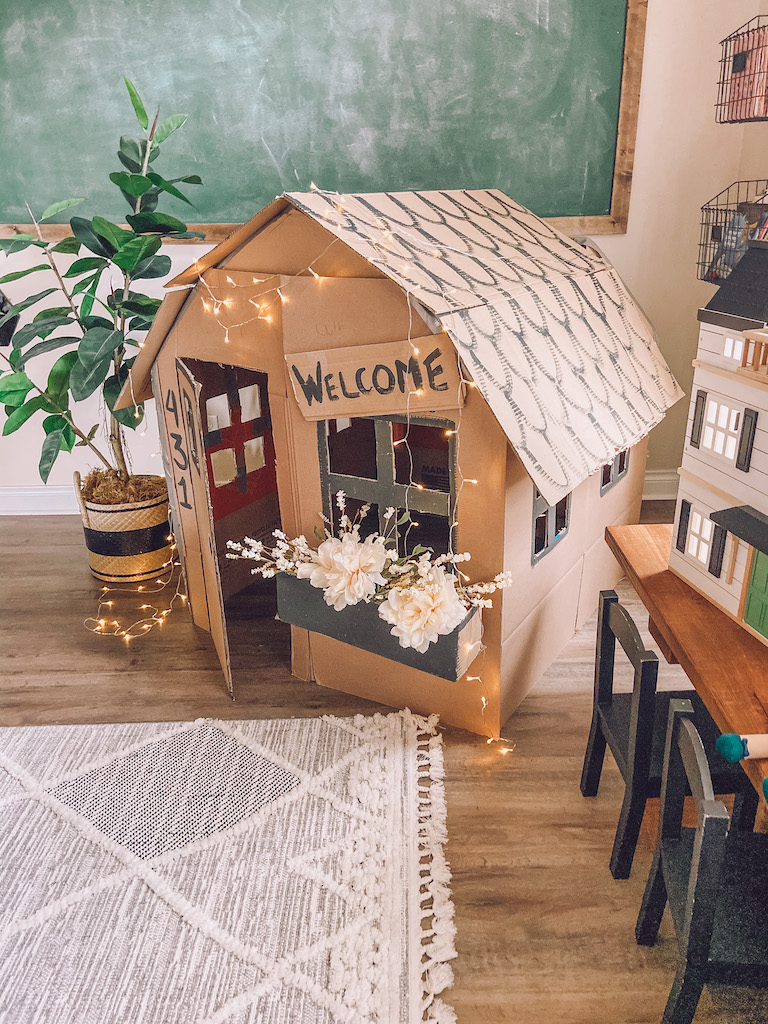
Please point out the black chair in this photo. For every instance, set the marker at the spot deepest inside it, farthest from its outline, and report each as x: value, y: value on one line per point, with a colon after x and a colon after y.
x: 633, y: 725
x: 716, y: 883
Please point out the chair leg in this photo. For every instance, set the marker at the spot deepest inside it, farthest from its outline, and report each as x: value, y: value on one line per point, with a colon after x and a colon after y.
x: 653, y: 903
x: 593, y: 758
x: 684, y: 996
x: 744, y: 810
x: 627, y: 833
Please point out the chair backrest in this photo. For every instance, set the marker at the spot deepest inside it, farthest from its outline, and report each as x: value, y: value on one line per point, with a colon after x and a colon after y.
x: 615, y: 623
x: 685, y: 760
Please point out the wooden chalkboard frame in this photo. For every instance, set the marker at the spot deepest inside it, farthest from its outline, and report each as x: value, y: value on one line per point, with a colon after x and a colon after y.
x: 614, y: 223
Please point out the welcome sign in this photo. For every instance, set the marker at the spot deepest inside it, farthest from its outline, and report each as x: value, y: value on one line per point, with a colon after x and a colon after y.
x: 420, y: 375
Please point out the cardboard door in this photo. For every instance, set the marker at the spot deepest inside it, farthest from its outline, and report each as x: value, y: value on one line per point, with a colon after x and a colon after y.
x: 187, y: 454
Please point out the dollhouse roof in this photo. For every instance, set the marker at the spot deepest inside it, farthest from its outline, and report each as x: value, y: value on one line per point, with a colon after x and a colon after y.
x: 746, y: 523
x: 544, y: 326
x: 743, y: 294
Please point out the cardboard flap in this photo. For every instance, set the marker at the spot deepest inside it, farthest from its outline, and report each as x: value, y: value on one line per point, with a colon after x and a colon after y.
x: 197, y: 508
x: 138, y: 387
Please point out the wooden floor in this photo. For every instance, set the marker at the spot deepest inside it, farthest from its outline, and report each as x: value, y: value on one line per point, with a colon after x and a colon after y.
x: 545, y: 935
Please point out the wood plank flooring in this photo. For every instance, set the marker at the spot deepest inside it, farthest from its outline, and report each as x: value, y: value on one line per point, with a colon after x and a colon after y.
x: 545, y: 935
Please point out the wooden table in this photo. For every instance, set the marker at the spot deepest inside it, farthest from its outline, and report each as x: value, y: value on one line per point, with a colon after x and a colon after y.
x: 727, y: 665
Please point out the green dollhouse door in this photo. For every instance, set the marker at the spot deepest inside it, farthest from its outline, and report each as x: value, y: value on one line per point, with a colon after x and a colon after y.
x: 756, y: 603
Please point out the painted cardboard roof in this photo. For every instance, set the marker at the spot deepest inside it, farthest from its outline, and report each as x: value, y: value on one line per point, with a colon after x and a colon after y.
x: 544, y: 326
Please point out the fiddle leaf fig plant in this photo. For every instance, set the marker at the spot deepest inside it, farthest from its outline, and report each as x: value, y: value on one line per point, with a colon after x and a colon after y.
x: 97, y: 336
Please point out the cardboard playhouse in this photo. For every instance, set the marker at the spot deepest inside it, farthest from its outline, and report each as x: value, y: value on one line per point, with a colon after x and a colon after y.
x: 720, y: 543
x: 448, y: 353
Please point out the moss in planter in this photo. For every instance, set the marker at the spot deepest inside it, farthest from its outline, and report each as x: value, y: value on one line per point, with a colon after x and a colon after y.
x: 104, y: 487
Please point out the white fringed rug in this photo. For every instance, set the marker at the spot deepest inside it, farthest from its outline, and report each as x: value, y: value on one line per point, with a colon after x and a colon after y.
x: 276, y: 872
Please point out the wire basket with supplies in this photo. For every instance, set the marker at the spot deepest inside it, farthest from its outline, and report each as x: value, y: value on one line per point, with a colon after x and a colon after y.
x: 742, y: 93
x: 735, y: 216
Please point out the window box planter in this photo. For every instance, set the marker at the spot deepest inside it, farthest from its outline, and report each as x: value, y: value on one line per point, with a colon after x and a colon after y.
x: 301, y: 604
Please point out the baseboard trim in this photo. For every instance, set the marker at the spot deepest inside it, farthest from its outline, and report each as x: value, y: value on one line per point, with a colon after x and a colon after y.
x: 38, y: 501
x: 660, y: 485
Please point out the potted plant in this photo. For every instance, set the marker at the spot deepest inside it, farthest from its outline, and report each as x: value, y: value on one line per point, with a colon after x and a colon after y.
x: 125, y: 516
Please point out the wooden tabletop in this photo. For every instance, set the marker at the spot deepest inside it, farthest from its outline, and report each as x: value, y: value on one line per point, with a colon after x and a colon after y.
x: 727, y: 665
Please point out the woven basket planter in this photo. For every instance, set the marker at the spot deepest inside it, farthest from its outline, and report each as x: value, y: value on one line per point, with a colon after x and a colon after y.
x: 126, y: 543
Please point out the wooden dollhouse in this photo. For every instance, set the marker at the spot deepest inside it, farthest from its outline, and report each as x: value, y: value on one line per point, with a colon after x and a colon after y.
x: 720, y: 543
x: 448, y: 353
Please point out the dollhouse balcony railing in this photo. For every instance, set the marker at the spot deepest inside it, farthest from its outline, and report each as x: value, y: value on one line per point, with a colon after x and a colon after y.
x: 754, y: 359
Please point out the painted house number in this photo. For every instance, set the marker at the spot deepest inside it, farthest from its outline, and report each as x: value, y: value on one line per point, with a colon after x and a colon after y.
x: 178, y: 453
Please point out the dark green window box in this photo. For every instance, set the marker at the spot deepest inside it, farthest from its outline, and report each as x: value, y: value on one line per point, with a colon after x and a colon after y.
x: 301, y: 604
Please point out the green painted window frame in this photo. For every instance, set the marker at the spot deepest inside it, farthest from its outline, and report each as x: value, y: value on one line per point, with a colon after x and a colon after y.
x: 384, y: 491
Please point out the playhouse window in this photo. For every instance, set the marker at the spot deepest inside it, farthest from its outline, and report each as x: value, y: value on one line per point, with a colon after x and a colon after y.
x: 391, y: 463
x: 217, y: 413
x: 224, y: 466
x: 550, y: 524
x: 250, y: 403
x: 613, y: 471
x: 254, y: 454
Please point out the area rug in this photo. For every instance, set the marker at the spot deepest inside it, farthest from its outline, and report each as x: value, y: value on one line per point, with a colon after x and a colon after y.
x: 210, y: 872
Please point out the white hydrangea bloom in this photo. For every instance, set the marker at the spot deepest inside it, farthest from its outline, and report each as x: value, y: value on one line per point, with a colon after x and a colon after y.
x: 346, y: 569
x: 419, y: 614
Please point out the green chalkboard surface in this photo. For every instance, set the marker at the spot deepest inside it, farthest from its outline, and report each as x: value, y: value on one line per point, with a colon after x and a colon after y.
x: 354, y: 95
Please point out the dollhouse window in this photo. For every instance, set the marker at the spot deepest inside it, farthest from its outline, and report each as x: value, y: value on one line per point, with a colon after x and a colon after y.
x: 614, y: 471
x: 550, y: 524
x: 733, y: 348
x: 700, y: 539
x: 391, y: 463
x: 725, y: 430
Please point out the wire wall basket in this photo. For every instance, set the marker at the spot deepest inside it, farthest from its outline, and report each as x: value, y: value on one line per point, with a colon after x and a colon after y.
x: 742, y: 93
x: 737, y: 215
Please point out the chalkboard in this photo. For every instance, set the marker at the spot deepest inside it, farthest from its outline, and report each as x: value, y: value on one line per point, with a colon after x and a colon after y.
x: 354, y: 95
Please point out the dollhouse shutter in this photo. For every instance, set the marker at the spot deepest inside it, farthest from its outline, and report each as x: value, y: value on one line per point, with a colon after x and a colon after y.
x: 682, y: 526
x: 746, y: 440
x: 717, y: 550
x: 698, y: 418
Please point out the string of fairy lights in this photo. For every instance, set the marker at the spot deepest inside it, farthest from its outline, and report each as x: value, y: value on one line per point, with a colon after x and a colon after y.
x: 265, y: 302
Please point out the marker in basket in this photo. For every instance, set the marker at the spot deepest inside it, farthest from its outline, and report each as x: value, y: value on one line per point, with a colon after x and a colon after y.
x: 735, y: 748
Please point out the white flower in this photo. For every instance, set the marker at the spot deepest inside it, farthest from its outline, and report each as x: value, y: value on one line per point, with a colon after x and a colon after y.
x: 419, y: 614
x: 346, y: 569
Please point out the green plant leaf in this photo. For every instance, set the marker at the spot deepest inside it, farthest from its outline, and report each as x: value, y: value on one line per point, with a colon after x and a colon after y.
x: 96, y: 321
x: 14, y: 388
x: 85, y: 234
x: 134, y: 184
x: 138, y: 106
x: 168, y: 126
x: 91, y: 434
x: 190, y: 179
x: 113, y: 233
x: 69, y: 245
x: 97, y: 344
x: 19, y: 307
x: 136, y: 250
x: 52, y: 445
x: 148, y: 202
x: 20, y: 416
x: 112, y: 387
x: 159, y: 223
x: 38, y: 329
x: 90, y: 297
x: 141, y: 304
x: 55, y: 208
x: 23, y: 273
x: 166, y: 186
x: 58, y: 378
x: 18, y: 243
x: 87, y: 263
x: 84, y: 380
x: 42, y: 347
x: 85, y: 284
x: 44, y: 314
x: 153, y: 266
x: 139, y: 323
x: 51, y: 423
x: 186, y: 234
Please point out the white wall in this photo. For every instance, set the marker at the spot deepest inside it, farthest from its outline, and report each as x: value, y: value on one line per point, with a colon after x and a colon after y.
x: 682, y: 159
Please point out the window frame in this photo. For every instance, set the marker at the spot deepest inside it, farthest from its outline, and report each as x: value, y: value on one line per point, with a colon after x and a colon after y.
x: 553, y: 538
x: 384, y: 491
x: 617, y: 473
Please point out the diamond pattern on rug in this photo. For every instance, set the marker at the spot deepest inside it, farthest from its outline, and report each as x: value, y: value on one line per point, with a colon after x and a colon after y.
x: 175, y: 790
